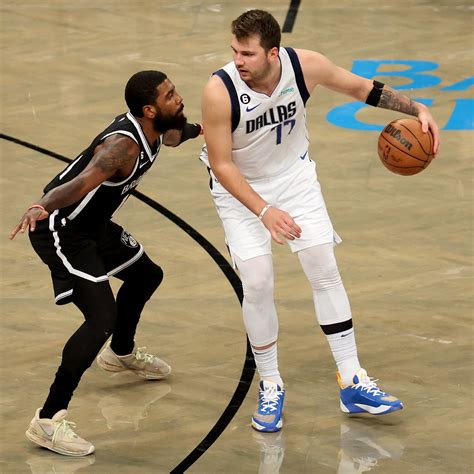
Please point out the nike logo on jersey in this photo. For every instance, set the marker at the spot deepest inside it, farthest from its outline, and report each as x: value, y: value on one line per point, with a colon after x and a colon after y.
x: 142, y: 164
x: 303, y: 157
x: 249, y: 109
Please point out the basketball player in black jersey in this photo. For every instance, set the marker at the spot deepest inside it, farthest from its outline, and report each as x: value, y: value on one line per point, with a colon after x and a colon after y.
x: 71, y: 230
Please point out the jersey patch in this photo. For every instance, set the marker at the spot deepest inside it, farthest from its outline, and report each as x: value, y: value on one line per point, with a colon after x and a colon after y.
x: 128, y: 240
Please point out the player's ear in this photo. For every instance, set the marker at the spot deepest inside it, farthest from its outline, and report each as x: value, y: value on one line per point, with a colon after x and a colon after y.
x: 149, y: 111
x: 273, y: 53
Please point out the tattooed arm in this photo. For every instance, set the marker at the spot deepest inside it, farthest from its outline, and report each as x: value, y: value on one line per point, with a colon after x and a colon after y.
x: 390, y: 99
x: 113, y: 159
x: 394, y: 100
x: 319, y: 70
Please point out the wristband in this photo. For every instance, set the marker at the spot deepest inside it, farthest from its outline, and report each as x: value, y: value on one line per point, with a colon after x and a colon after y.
x: 38, y: 206
x: 190, y: 130
x: 264, y: 210
x: 374, y: 96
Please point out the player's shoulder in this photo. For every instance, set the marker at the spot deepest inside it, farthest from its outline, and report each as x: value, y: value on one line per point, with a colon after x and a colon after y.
x: 120, y: 143
x: 305, y: 55
x: 215, y: 88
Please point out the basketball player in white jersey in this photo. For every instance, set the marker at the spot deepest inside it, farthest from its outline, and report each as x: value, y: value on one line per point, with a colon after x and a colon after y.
x: 265, y: 187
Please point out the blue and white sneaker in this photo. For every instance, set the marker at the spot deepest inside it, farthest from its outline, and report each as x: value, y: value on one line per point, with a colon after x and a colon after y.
x: 268, y: 417
x: 363, y: 396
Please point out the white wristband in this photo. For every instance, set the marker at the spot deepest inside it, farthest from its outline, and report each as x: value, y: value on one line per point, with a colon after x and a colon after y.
x: 264, y: 210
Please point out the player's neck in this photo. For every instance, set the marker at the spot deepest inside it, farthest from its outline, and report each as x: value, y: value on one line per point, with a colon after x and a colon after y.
x: 150, y: 133
x: 267, y: 84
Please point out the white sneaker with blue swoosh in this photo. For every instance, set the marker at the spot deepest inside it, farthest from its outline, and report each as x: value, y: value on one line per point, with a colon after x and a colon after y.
x: 363, y: 396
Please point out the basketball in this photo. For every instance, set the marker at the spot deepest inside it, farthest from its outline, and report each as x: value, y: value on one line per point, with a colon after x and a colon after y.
x: 403, y: 147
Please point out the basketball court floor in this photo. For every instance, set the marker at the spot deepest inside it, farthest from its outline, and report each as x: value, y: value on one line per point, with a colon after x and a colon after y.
x: 406, y: 259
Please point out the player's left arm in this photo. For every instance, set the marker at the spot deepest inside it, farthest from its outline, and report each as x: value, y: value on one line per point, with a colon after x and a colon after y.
x: 176, y: 137
x: 318, y: 69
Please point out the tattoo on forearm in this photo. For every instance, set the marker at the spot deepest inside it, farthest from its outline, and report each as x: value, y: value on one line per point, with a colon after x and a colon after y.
x: 395, y: 101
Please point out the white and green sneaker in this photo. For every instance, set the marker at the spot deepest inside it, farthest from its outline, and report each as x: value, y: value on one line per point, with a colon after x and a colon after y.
x: 57, y: 434
x: 139, y: 362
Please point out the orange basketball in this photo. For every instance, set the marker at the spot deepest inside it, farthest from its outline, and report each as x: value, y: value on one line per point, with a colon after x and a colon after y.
x: 403, y: 147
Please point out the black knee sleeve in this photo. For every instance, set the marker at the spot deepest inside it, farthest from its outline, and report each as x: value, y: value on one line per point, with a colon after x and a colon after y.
x: 143, y: 273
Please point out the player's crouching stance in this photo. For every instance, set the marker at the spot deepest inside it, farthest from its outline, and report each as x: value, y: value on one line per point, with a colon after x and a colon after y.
x: 72, y: 231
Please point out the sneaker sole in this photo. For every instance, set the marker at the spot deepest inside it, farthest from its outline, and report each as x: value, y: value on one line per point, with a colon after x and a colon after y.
x: 265, y: 429
x: 380, y: 410
x: 47, y: 444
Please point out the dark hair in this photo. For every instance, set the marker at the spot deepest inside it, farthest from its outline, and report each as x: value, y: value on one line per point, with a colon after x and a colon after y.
x: 141, y: 90
x: 258, y: 22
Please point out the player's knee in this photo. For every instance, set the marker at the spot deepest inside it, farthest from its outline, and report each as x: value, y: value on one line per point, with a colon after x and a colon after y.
x: 156, y: 274
x: 150, y: 279
x: 325, y: 277
x: 257, y: 287
x: 144, y: 275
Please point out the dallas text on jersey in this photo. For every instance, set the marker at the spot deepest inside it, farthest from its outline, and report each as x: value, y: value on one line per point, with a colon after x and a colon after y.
x: 273, y: 116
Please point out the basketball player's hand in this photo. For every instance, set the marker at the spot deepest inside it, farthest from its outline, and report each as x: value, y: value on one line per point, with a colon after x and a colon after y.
x: 29, y: 221
x: 428, y: 123
x: 279, y: 222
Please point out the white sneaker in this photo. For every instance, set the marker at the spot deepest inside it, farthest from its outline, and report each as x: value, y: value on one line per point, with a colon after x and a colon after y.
x: 57, y: 434
x: 139, y: 361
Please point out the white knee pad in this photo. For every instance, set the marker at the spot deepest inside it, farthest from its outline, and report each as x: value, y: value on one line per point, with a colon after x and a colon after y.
x: 330, y: 297
x: 258, y: 306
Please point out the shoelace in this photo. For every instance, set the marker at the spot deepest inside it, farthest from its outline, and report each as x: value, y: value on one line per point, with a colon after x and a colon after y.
x: 68, y: 427
x: 141, y: 354
x: 369, y: 384
x: 269, y: 399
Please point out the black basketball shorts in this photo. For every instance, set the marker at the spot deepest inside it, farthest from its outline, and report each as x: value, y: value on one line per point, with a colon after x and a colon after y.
x: 71, y: 254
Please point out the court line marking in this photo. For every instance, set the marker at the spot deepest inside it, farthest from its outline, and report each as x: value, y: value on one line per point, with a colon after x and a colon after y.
x: 291, y: 16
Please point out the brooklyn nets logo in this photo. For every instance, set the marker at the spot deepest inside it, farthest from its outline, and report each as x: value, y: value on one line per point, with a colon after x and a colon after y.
x: 128, y: 240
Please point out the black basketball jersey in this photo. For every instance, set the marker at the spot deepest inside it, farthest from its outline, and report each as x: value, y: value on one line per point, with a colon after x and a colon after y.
x: 98, y: 206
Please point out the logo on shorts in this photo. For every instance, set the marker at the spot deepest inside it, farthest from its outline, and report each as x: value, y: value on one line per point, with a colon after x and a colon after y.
x: 128, y: 240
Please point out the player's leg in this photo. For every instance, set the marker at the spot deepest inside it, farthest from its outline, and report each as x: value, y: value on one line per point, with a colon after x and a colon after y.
x: 261, y: 323
x: 249, y: 243
x: 49, y: 427
x: 332, y: 306
x: 140, y: 281
x: 359, y: 393
x: 125, y: 259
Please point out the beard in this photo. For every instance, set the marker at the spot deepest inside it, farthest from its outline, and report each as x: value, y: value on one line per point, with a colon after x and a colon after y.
x: 258, y: 75
x: 163, y: 124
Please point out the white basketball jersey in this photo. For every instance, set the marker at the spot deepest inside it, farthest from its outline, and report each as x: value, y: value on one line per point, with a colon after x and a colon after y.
x: 268, y: 132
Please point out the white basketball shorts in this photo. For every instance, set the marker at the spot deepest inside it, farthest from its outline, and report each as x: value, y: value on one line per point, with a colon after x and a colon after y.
x: 297, y: 191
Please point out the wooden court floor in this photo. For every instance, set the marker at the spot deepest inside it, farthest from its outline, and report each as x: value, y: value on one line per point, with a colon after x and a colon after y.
x: 406, y: 259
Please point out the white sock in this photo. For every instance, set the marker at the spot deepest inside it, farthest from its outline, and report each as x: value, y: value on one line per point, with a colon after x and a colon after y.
x: 266, y: 361
x: 344, y: 350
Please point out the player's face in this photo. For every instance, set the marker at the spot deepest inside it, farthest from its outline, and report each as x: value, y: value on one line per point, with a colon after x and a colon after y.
x: 251, y: 59
x: 168, y: 108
